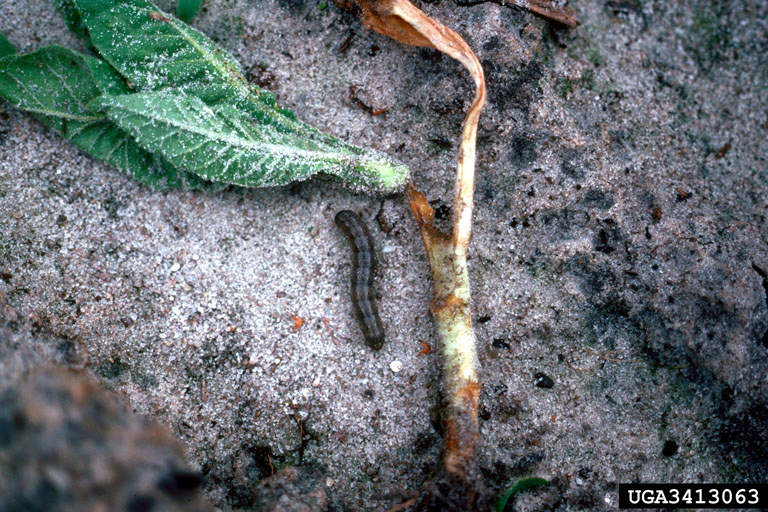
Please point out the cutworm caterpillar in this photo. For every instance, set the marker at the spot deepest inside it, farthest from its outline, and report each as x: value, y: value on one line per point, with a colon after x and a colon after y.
x: 362, y: 276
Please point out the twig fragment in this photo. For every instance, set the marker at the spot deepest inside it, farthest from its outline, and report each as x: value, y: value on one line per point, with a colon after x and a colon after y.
x: 548, y: 9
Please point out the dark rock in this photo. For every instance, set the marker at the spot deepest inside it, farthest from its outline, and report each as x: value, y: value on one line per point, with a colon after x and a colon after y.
x: 542, y: 380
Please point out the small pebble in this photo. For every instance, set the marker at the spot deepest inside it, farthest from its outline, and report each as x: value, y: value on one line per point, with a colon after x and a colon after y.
x: 501, y: 343
x: 175, y: 267
x: 396, y: 366
x: 542, y: 380
x: 670, y: 448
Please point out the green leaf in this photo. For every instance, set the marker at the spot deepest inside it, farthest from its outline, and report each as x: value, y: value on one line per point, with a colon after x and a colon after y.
x: 55, y: 84
x: 225, y: 143
x: 261, y: 105
x: 6, y: 48
x: 186, y: 9
x: 105, y: 78
x: 156, y: 52
x: 521, y: 485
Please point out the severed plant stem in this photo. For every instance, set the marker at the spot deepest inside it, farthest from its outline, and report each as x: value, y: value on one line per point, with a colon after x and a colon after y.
x: 447, y: 255
x: 451, y: 304
x: 451, y: 310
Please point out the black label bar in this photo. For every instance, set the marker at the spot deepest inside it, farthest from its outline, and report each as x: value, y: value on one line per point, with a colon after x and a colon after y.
x: 701, y: 496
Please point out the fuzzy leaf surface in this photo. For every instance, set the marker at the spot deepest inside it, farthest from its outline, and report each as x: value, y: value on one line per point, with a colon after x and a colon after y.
x: 55, y: 84
x: 156, y: 52
x: 228, y: 144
